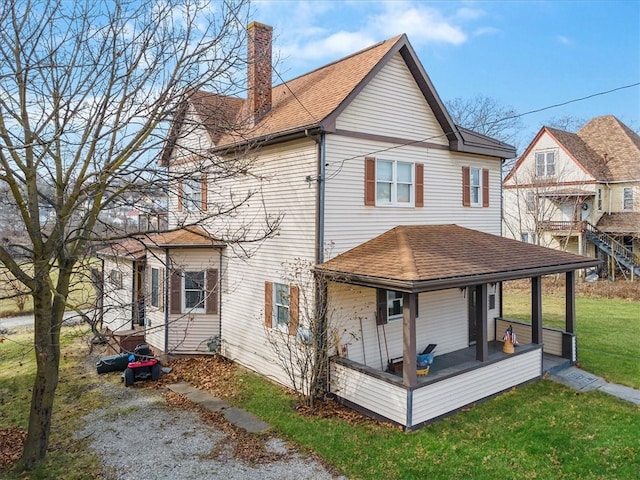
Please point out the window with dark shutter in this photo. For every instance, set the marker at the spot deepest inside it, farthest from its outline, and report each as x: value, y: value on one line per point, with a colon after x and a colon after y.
x: 176, y: 292
x: 381, y: 306
x: 370, y: 181
x: 419, y: 185
x: 268, y: 304
x: 485, y: 187
x: 212, y: 291
x: 294, y: 309
x: 466, y: 186
x: 203, y: 192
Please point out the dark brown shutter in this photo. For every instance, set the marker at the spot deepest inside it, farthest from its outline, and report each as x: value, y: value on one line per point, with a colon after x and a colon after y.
x: 180, y: 195
x: 294, y: 309
x: 466, y: 187
x: 268, y: 304
x: 485, y: 187
x: 370, y: 181
x: 161, y: 288
x: 176, y: 292
x: 381, y: 306
x: 419, y: 185
x: 203, y: 192
x: 212, y: 291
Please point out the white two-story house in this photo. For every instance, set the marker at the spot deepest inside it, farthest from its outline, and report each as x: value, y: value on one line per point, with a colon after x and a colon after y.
x: 580, y: 192
x: 361, y: 173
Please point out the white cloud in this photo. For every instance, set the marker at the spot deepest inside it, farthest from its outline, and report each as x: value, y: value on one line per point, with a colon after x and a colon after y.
x: 478, y: 32
x: 564, y: 40
x: 419, y: 22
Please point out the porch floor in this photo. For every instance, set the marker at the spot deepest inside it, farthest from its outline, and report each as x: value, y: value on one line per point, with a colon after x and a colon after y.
x: 462, y: 360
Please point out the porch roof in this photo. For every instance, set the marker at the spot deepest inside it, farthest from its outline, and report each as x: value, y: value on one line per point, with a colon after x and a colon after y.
x: 434, y: 257
x: 130, y: 248
x: 191, y: 237
x: 620, y: 222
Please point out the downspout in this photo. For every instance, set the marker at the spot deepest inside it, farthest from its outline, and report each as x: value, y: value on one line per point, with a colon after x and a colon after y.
x: 220, y: 296
x: 167, y: 286
x: 320, y: 287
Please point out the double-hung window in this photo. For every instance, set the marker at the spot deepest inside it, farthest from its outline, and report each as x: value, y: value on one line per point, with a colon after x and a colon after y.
x: 475, y: 187
x: 192, y: 194
x: 155, y: 287
x: 599, y: 200
x: 394, y: 304
x: 281, y: 305
x: 545, y: 164
x: 531, y: 202
x: 394, y: 183
x: 627, y: 198
x: 194, y: 291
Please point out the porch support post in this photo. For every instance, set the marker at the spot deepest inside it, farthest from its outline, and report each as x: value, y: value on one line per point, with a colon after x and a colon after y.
x: 536, y: 310
x: 409, y: 354
x: 570, y: 302
x: 482, y: 342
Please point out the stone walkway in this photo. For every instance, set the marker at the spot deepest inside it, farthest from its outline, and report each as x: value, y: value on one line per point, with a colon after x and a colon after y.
x: 584, y: 382
x: 234, y: 415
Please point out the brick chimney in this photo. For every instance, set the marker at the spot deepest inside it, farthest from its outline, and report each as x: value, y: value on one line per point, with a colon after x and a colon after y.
x: 259, y: 70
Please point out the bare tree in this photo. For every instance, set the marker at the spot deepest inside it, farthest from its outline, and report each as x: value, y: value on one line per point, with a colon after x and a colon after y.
x: 567, y: 123
x: 302, y: 349
x: 487, y: 116
x: 87, y: 90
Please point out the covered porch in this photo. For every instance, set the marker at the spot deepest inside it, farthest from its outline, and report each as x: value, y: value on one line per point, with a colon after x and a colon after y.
x: 422, y: 259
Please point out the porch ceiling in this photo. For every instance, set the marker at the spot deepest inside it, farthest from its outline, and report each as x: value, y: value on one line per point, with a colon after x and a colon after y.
x: 433, y: 257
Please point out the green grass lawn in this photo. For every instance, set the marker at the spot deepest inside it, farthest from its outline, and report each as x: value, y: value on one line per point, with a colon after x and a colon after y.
x: 608, y: 332
x: 542, y: 430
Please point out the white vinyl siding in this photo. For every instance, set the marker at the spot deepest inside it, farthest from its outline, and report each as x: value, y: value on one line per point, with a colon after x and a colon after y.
x: 372, y: 393
x: 391, y: 104
x: 467, y: 388
x: 442, y: 320
x: 285, y: 190
x: 189, y: 332
x: 117, y: 300
x: 348, y: 222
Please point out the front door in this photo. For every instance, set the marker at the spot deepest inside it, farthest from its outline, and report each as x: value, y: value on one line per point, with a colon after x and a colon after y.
x: 473, y: 304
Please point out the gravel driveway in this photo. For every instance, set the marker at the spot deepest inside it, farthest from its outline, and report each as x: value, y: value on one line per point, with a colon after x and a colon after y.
x: 140, y: 436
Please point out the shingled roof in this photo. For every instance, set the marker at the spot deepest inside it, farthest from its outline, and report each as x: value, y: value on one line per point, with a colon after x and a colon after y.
x: 430, y: 257
x: 605, y: 147
x: 620, y: 222
x: 314, y: 100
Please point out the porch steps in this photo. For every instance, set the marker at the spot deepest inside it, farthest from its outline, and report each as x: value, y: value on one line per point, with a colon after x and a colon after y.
x: 607, y: 244
x: 552, y: 364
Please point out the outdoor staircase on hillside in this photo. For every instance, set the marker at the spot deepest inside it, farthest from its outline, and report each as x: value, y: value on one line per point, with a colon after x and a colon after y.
x: 609, y: 245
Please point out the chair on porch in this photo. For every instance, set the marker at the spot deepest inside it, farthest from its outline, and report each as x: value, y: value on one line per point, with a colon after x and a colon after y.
x: 424, y: 361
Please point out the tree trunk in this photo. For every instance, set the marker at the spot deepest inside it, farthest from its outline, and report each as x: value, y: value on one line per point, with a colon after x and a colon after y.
x: 47, y: 322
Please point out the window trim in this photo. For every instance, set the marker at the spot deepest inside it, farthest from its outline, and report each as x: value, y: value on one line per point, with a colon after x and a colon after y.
x: 184, y: 291
x: 599, y: 202
x: 394, y: 183
x: 545, y: 155
x: 154, y: 294
x: 627, y: 198
x: 270, y: 308
x: 483, y: 192
x: 115, y: 279
x: 391, y: 300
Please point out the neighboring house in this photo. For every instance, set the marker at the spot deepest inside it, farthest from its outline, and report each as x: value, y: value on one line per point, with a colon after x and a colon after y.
x: 579, y: 192
x: 398, y: 209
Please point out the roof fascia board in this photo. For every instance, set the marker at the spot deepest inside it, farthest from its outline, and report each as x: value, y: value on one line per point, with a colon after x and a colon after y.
x: 456, y: 282
x: 330, y: 120
x: 524, y: 155
x: 571, y: 156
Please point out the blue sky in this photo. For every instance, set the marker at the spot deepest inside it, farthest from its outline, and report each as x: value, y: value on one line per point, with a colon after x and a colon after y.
x: 525, y: 54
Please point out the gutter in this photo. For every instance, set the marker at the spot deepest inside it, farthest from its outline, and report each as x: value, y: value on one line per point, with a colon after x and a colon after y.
x: 419, y: 286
